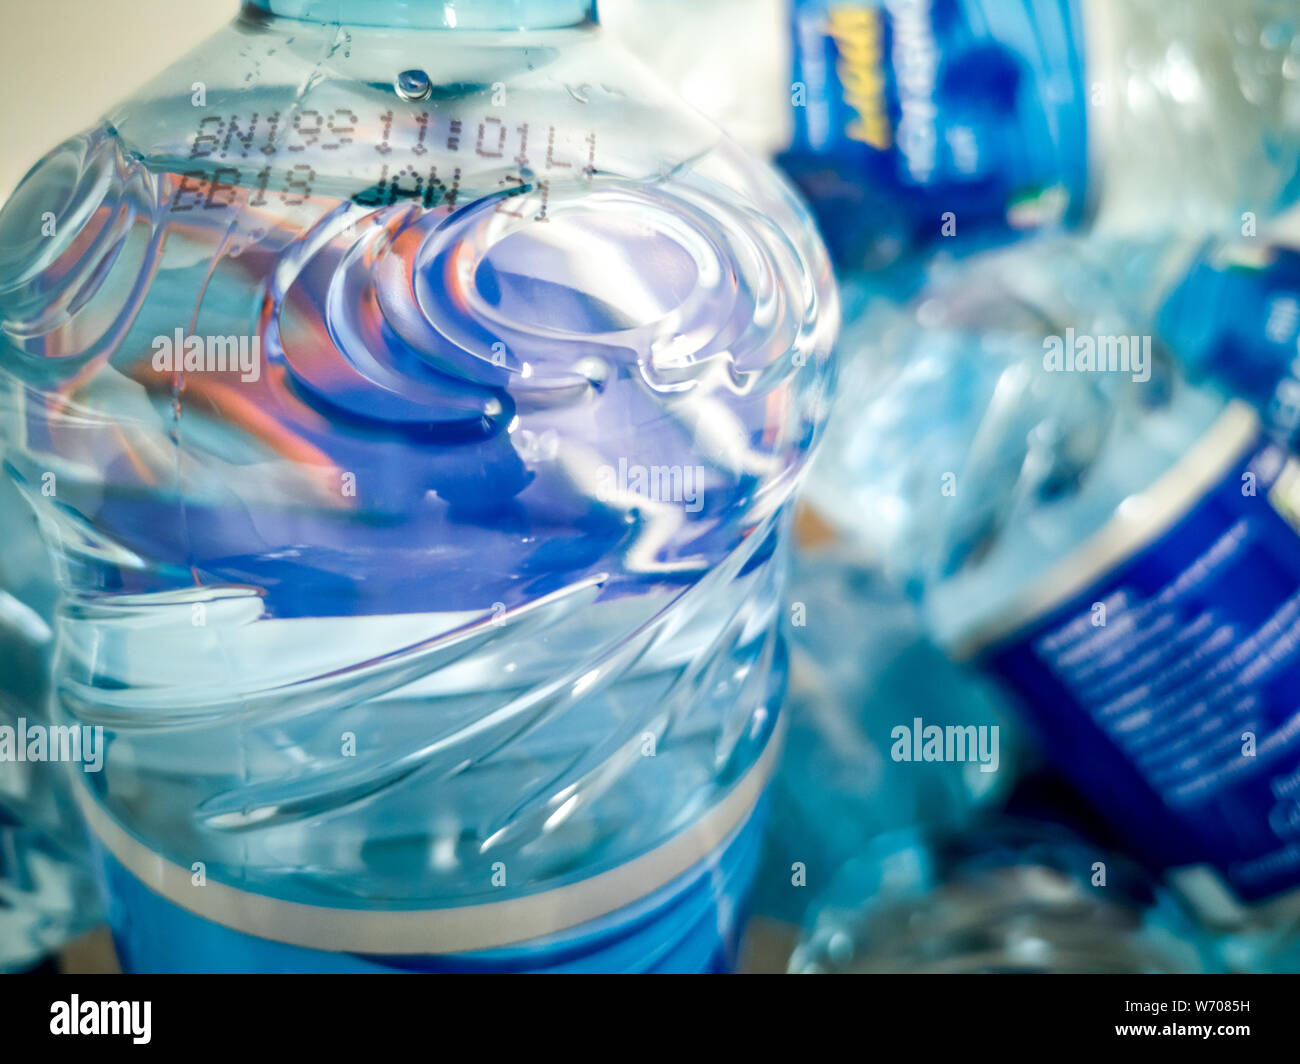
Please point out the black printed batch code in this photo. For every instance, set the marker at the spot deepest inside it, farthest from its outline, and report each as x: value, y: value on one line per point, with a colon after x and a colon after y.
x: 216, y: 189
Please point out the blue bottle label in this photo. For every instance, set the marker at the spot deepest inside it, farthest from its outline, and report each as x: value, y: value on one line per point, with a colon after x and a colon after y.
x: 920, y: 118
x: 1168, y: 687
x: 1235, y: 317
x: 690, y: 925
x: 676, y: 908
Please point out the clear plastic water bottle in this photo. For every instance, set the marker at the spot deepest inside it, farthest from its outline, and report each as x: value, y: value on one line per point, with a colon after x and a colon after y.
x: 1019, y: 897
x: 1119, y: 546
x: 919, y: 121
x: 47, y: 895
x: 865, y: 683
x: 424, y: 389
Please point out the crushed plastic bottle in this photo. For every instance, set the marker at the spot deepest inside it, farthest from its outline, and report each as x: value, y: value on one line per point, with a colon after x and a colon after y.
x: 1014, y: 897
x: 1118, y: 545
x: 935, y: 122
x: 867, y: 688
x: 425, y: 388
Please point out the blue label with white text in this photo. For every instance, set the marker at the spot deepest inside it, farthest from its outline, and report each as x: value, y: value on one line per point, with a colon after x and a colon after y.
x: 1169, y: 690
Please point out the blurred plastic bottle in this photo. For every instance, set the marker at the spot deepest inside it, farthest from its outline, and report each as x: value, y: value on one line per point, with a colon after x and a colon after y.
x: 1013, y: 897
x: 863, y: 676
x: 1120, y: 547
x: 47, y: 894
x: 920, y: 120
x: 1228, y: 311
x: 1233, y: 317
x: 424, y: 388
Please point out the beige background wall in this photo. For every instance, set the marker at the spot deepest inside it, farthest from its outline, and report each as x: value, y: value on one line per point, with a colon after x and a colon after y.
x: 63, y: 62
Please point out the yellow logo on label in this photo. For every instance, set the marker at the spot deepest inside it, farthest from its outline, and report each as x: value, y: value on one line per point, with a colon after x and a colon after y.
x: 857, y: 36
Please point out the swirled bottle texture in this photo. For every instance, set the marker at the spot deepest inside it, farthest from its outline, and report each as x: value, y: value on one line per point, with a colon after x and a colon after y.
x: 424, y: 405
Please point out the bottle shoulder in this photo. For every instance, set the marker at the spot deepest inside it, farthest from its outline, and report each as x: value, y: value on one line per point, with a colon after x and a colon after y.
x: 550, y: 300
x: 350, y: 102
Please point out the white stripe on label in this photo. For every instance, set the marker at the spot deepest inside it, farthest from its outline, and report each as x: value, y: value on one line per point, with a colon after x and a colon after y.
x: 1142, y: 519
x: 460, y: 929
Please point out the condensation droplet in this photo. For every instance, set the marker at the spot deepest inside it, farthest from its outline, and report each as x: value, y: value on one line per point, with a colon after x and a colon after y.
x: 413, y: 85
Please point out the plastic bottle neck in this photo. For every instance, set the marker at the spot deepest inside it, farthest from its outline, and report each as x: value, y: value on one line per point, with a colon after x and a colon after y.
x: 435, y: 14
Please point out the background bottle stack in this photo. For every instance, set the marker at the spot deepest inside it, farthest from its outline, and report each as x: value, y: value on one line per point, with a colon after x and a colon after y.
x: 1043, y: 613
x: 1067, y: 378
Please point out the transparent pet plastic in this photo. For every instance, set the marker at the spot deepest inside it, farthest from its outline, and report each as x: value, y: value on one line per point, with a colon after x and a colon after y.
x: 424, y: 387
x: 47, y: 894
